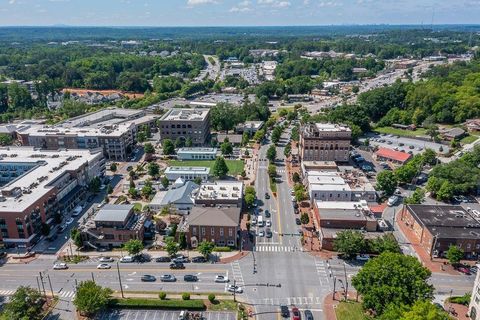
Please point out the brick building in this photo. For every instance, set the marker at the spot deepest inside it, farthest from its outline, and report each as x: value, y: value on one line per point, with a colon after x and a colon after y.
x: 439, y: 226
x: 325, y: 142
x: 186, y: 123
x: 397, y: 157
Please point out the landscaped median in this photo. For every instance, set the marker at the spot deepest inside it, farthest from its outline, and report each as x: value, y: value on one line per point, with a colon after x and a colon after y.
x: 143, y: 303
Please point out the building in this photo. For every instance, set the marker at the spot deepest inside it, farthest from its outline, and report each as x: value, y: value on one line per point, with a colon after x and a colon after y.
x: 37, y: 185
x: 182, y: 199
x: 220, y: 225
x: 397, y: 157
x: 226, y: 193
x: 113, y: 130
x: 452, y: 134
x: 345, y: 184
x: 235, y: 139
x: 437, y: 227
x: 197, y: 153
x: 112, y: 226
x: 473, y: 125
x: 186, y: 124
x: 187, y: 173
x: 325, y: 142
x: 474, y: 306
x: 249, y: 126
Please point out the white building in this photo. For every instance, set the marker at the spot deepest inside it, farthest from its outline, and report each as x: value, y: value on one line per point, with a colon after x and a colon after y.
x: 229, y: 193
x: 197, y: 153
x: 187, y: 173
x: 474, y: 307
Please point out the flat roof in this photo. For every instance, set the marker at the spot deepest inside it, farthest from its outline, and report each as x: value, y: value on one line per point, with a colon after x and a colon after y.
x: 220, y: 190
x: 197, y: 150
x: 46, y: 167
x: 186, y: 115
x: 344, y: 210
x: 188, y: 170
x: 113, y: 213
x: 331, y: 127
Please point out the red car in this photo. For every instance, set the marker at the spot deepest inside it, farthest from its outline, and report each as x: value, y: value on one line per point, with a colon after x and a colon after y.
x: 296, y: 314
x: 464, y: 270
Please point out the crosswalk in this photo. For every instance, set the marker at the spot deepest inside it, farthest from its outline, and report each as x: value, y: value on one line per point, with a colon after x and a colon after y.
x: 275, y: 248
x: 63, y: 294
x: 237, y: 273
x: 289, y: 301
x: 322, y: 272
x: 280, y: 170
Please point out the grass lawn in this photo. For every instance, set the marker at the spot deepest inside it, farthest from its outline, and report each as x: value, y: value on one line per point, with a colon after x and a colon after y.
x: 350, y: 311
x: 400, y: 132
x: 222, y: 305
x: 235, y: 167
x: 469, y: 139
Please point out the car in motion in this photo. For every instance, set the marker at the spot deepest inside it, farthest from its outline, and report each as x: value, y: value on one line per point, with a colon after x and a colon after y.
x: 221, y: 278
x: 168, y: 278
x: 148, y: 278
x: 126, y: 259
x: 392, y: 201
x: 163, y: 259
x: 267, y: 214
x: 104, y: 266
x: 190, y: 278
x: 296, y: 314
x: 105, y: 259
x: 268, y: 233
x: 60, y: 266
x: 199, y: 259
x: 308, y: 315
x: 177, y: 266
x: 236, y: 289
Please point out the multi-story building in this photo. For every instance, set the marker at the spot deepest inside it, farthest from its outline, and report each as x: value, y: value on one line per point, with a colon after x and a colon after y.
x: 437, y: 227
x: 112, y: 226
x: 186, y: 123
x: 37, y: 185
x: 325, y: 142
x: 113, y: 130
x: 181, y: 199
x: 226, y: 193
x: 474, y: 307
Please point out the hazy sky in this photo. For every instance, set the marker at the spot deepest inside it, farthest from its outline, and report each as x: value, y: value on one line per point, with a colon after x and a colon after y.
x: 236, y: 12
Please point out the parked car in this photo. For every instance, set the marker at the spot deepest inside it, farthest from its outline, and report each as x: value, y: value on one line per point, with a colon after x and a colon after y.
x: 221, y: 278
x: 199, y: 259
x: 392, y: 201
x: 69, y: 221
x: 267, y: 196
x: 77, y: 211
x: 236, y: 289
x: 268, y: 223
x: 363, y: 257
x: 284, y: 311
x: 261, y: 233
x: 126, y: 259
x: 474, y: 269
x: 105, y: 259
x: 163, y: 259
x: 308, y: 315
x: 181, y: 259
x: 177, y: 265
x: 190, y: 278
x: 267, y: 214
x: 168, y: 278
x: 148, y: 278
x: 104, y: 266
x: 295, y: 314
x: 60, y: 266
x: 298, y: 221
x: 464, y: 270
x: 141, y: 258
x: 268, y: 233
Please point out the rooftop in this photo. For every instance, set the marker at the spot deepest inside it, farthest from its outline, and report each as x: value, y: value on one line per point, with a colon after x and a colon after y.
x: 113, y: 213
x: 184, y: 194
x: 214, y: 216
x: 188, y: 170
x: 197, y: 150
x: 324, y: 130
x: 393, y: 154
x: 344, y: 210
x: 220, y: 190
x: 186, y: 115
x: 44, y: 168
x: 338, y: 180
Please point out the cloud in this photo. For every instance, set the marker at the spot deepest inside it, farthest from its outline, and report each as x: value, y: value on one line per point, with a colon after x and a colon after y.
x: 192, y: 3
x: 240, y: 9
x: 12, y: 1
x: 275, y: 3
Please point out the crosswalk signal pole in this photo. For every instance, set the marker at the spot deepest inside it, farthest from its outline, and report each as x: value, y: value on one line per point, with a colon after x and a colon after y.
x: 120, y: 280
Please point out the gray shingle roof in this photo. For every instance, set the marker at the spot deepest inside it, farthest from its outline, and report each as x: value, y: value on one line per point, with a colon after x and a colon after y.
x: 214, y: 216
x: 180, y: 195
x: 113, y: 212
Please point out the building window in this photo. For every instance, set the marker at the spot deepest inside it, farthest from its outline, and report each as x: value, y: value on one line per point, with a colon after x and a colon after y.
x: 203, y: 231
x: 230, y: 243
x: 230, y: 232
x: 221, y: 232
x: 212, y: 231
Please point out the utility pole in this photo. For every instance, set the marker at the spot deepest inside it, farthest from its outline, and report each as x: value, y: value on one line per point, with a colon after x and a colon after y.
x: 346, y: 280
x: 50, y: 282
x: 38, y: 284
x: 120, y: 280
x: 93, y: 279
x: 234, y: 290
x: 334, y: 283
x: 43, y: 285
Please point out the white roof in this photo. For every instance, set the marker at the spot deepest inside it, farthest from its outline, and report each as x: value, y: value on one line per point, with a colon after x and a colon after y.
x: 341, y: 205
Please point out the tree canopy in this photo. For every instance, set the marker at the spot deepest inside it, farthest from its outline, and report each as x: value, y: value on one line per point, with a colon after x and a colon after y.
x: 91, y: 298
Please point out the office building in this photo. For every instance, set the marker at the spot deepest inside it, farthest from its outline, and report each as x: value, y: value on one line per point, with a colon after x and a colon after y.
x: 197, y: 153
x: 186, y: 123
x: 325, y: 142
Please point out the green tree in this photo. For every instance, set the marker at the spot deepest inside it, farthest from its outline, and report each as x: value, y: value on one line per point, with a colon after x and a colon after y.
x: 272, y: 170
x: 245, y: 138
x: 249, y: 200
x: 387, y: 182
x: 205, y: 248
x: 5, y: 139
x: 182, y: 240
x: 296, y: 177
x: 430, y: 157
x: 407, y: 172
x: 197, y: 180
x: 113, y: 167
x: 132, y: 191
x: 392, y: 278
x: 148, y: 148
x: 272, y: 153
x: 25, y: 304
x: 188, y: 142
x: 300, y: 194
x: 164, y: 181
x: 153, y: 169
x: 76, y: 236
x: 416, y: 197
x: 432, y: 132
x: 168, y: 147
x: 45, y: 228
x: 179, y: 142
x: 220, y: 168
x: 171, y: 247
x: 454, y: 254
x: 109, y: 189
x: 385, y: 243
x: 226, y: 147
x: 425, y: 310
x: 133, y: 246
x: 91, y: 298
x: 141, y: 136
x: 94, y: 185
x: 446, y: 191
x: 349, y: 243
x: 304, y: 218
x: 258, y: 136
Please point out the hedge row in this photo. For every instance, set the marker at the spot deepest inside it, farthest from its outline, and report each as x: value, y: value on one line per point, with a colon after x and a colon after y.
x: 138, y: 303
x: 222, y: 249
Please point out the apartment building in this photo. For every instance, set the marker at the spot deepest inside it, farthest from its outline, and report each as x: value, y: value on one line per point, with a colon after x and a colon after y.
x: 37, y: 184
x: 113, y: 130
x: 325, y: 142
x: 186, y: 123
x: 474, y: 306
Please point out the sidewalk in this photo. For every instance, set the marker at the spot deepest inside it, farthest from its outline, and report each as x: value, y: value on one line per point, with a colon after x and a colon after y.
x: 329, y: 304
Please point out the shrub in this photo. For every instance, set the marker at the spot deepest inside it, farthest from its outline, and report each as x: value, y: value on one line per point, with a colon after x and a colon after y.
x: 139, y: 303
x: 185, y: 296
x: 222, y: 249
x: 465, y: 299
x: 211, y: 297
x: 162, y: 295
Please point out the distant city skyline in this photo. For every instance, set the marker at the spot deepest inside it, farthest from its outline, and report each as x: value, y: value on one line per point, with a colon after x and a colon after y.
x: 236, y: 12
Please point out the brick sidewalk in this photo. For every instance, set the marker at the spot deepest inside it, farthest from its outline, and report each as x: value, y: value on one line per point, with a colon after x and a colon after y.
x: 329, y: 304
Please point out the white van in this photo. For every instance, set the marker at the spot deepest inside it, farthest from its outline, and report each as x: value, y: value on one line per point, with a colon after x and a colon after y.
x: 126, y: 259
x: 260, y: 222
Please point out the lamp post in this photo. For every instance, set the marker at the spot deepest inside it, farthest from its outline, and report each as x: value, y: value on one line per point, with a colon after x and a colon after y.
x: 120, y: 280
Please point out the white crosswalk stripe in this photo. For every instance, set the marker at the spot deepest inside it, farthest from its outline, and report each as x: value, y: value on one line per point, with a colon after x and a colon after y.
x: 274, y: 248
x: 237, y: 273
x: 322, y: 272
x: 63, y: 294
x: 6, y: 292
x: 290, y: 301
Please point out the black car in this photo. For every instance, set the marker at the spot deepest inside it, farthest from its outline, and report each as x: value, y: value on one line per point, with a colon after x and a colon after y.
x: 267, y: 214
x: 190, y: 278
x: 308, y: 315
x: 284, y: 311
x: 177, y: 266
x: 148, y: 278
x: 181, y: 259
x: 268, y: 233
x: 267, y: 196
x: 295, y: 205
x: 142, y: 258
x: 163, y: 259
x: 199, y: 259
x: 297, y: 221
x: 296, y: 211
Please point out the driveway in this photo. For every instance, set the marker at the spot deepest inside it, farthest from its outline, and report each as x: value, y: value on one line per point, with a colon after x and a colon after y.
x: 159, y: 315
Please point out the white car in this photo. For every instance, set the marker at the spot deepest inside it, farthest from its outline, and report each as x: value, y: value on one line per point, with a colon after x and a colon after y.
x: 77, y: 211
x: 106, y: 259
x: 261, y: 233
x: 126, y: 259
x: 60, y: 266
x: 363, y: 257
x: 236, y: 289
x: 268, y: 223
x: 392, y: 201
x: 104, y: 266
x: 221, y: 279
x: 69, y: 221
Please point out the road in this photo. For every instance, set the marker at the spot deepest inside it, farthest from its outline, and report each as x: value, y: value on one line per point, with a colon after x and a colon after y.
x: 212, y: 70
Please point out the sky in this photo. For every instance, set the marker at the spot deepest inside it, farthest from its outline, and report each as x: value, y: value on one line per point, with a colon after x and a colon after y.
x: 236, y: 12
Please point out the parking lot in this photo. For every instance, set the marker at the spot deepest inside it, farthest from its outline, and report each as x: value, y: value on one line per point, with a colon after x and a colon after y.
x: 410, y: 145
x: 159, y: 315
